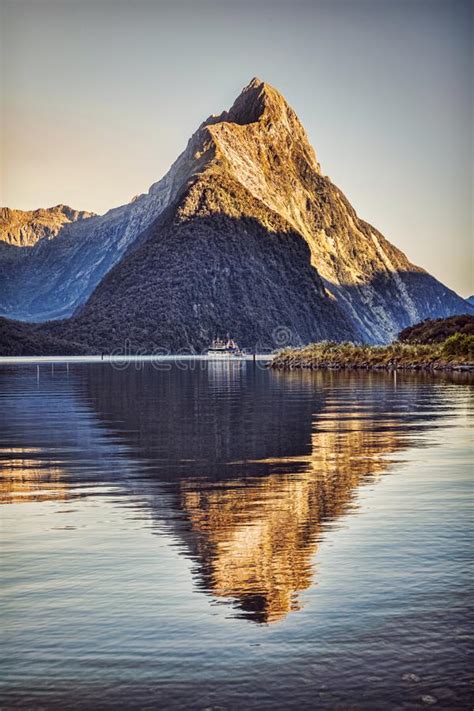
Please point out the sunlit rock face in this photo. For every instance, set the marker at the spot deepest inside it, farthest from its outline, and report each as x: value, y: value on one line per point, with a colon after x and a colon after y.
x: 261, y: 143
x: 243, y: 233
x: 25, y: 228
x: 258, y: 239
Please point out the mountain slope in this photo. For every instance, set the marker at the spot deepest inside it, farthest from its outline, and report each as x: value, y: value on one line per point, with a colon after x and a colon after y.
x: 243, y: 235
x: 202, y: 271
x: 438, y: 330
x: 261, y: 141
x: 29, y: 339
x: 258, y: 242
x: 55, y: 277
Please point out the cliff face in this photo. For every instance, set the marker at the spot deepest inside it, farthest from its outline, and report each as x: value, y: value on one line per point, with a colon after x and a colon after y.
x: 261, y: 142
x: 243, y: 235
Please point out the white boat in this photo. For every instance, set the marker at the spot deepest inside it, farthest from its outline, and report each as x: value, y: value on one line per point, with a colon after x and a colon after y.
x: 224, y: 350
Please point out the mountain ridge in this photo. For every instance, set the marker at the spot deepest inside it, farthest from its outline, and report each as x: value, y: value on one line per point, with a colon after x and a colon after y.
x: 24, y: 228
x: 249, y: 183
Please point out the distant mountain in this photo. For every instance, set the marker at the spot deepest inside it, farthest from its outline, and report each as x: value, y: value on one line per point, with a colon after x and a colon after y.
x: 22, y: 228
x: 243, y: 235
x: 470, y: 299
x: 56, y: 276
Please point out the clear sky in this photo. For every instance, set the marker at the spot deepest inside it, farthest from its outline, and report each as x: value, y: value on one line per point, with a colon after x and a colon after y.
x: 99, y: 97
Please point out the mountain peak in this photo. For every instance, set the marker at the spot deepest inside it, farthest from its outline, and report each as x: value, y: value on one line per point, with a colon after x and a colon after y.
x: 254, y: 82
x: 255, y: 100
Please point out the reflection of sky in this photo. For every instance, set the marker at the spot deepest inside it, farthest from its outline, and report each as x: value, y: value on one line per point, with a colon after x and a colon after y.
x: 100, y: 107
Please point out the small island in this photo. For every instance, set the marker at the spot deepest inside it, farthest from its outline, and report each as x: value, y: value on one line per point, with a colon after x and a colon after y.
x: 441, y: 344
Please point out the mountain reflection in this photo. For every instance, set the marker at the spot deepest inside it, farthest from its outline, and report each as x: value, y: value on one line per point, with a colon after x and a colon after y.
x: 246, y: 468
x: 254, y: 539
x: 21, y: 479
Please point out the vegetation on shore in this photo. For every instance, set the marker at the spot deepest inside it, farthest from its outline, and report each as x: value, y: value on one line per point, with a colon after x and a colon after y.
x: 455, y: 352
x: 437, y: 330
x: 419, y: 347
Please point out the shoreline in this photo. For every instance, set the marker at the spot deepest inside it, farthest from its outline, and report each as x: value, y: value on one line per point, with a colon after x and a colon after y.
x: 452, y: 354
x: 427, y: 368
x: 113, y: 359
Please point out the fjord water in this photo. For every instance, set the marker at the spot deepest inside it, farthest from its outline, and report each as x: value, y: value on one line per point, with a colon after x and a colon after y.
x: 222, y: 536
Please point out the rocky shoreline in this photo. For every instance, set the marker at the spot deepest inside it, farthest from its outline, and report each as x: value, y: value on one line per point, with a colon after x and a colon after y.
x: 454, y: 354
x: 428, y: 367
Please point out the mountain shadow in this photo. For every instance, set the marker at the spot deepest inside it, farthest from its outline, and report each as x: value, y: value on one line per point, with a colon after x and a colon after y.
x: 212, y: 275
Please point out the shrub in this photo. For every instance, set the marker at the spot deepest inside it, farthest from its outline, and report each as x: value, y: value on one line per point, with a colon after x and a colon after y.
x: 459, y: 344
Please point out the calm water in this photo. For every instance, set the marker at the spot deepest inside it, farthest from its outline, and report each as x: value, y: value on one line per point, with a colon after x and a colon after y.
x: 225, y: 537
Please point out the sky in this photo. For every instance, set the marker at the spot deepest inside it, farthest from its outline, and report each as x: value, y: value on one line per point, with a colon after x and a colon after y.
x: 99, y: 97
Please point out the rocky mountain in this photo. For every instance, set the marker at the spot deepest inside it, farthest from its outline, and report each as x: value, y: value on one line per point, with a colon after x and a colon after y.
x: 22, y: 228
x: 243, y: 235
x: 55, y: 277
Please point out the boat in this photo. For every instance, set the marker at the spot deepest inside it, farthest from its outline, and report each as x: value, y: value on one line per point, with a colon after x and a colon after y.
x: 224, y: 349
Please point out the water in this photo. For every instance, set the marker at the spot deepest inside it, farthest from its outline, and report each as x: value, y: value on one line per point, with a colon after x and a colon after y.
x: 220, y: 536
